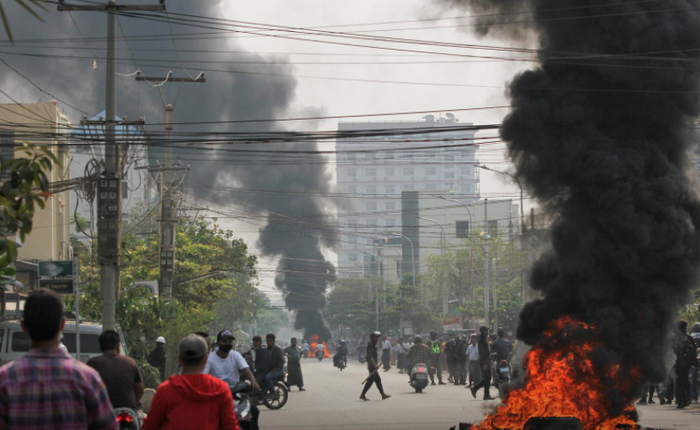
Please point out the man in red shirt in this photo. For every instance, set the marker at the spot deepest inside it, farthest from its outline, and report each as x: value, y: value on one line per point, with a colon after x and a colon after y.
x: 192, y: 400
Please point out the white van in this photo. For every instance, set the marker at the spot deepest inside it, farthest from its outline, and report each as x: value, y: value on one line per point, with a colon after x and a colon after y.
x: 14, y: 343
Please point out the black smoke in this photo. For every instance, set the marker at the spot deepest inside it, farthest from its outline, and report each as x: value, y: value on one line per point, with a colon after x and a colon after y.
x: 600, y: 132
x: 288, y: 223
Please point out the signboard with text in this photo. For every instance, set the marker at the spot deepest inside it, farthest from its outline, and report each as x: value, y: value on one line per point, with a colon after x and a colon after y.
x: 453, y: 323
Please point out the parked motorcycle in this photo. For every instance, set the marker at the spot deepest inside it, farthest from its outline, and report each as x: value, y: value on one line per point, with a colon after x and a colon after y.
x: 127, y: 419
x: 419, y: 377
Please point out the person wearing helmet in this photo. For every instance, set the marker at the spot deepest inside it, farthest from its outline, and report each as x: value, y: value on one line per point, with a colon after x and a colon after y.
x: 340, y: 355
x: 373, y: 368
x: 158, y: 357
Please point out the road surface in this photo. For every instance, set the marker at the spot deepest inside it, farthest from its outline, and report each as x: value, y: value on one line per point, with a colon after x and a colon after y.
x: 332, y: 402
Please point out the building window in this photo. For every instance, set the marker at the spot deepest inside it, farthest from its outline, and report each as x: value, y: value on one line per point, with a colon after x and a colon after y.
x: 352, y: 257
x: 390, y: 189
x: 389, y: 172
x: 352, y: 156
x: 370, y: 156
x: 449, y: 157
x: 466, y: 171
x: 352, y: 173
x: 352, y: 189
x: 462, y: 229
x: 390, y: 206
x: 449, y: 175
x: 371, y: 223
x: 408, y: 171
x: 430, y: 171
x: 371, y: 173
x: 449, y: 166
x: 371, y: 206
x: 371, y: 189
x: 390, y: 223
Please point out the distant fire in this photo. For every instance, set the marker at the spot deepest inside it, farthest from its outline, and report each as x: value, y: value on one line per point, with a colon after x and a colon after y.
x: 562, y: 381
x: 313, y: 343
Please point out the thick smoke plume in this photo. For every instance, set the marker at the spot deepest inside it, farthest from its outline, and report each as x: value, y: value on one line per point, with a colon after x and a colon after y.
x: 600, y: 132
x: 288, y: 222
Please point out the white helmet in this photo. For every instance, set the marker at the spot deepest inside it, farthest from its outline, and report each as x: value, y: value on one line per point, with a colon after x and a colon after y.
x: 160, y: 339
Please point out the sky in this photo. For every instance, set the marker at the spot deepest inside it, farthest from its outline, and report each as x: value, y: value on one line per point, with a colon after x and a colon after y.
x: 411, y: 81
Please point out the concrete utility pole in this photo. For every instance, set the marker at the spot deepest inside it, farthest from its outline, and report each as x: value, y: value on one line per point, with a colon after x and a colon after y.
x: 486, y: 262
x: 109, y: 207
x: 168, y: 219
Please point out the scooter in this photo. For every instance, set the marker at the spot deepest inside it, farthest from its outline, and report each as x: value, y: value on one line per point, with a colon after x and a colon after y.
x: 503, y: 377
x: 319, y: 355
x: 247, y: 419
x: 340, y: 361
x: 419, y: 377
x: 127, y: 419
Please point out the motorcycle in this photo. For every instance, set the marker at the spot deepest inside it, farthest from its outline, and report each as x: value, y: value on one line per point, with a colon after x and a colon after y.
x: 361, y: 356
x: 305, y: 353
x: 319, y: 355
x: 127, y: 419
x: 246, y: 411
x: 340, y: 361
x: 419, y: 377
x: 503, y: 377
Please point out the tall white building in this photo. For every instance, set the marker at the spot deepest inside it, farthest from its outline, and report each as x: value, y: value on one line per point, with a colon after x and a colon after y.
x: 373, y: 170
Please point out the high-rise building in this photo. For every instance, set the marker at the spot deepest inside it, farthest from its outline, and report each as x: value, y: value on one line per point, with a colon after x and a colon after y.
x: 374, y: 167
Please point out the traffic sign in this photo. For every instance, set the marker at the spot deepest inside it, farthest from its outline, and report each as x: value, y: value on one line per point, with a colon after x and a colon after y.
x: 52, y: 269
x: 59, y: 286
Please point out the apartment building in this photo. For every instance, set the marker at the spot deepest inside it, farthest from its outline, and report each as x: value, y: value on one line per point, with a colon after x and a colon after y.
x: 375, y: 167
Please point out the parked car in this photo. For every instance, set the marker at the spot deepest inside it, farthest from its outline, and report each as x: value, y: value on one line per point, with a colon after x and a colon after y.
x: 14, y: 343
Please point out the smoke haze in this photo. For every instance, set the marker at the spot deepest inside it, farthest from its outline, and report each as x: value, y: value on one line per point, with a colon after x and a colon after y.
x: 224, y: 96
x: 600, y: 132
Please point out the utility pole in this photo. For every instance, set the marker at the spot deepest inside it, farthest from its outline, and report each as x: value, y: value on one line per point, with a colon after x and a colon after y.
x: 168, y: 220
x: 109, y: 208
x: 486, y: 262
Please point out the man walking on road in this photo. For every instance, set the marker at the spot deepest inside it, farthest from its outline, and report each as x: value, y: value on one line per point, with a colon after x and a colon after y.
x: 120, y: 373
x: 46, y: 388
x: 386, y: 354
x: 460, y: 361
x: 473, y: 359
x: 373, y: 367
x: 294, y: 377
x: 435, y: 365
x: 192, y: 399
x: 485, y: 363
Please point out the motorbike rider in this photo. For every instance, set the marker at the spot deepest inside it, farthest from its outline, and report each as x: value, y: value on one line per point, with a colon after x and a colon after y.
x: 320, y: 350
x: 419, y: 353
x: 502, y: 347
x: 305, y: 349
x: 275, y: 363
x: 340, y: 354
x: 435, y: 365
x: 228, y: 365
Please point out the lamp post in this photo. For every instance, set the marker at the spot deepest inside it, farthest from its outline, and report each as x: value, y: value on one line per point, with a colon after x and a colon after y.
x: 413, y: 254
x: 522, y: 221
x: 376, y: 293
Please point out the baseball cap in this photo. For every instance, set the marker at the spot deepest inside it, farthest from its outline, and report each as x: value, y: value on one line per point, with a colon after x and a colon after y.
x: 225, y: 334
x: 193, y: 346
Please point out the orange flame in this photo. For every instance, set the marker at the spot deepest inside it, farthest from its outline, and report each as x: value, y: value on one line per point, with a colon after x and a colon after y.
x: 313, y: 343
x: 561, y: 381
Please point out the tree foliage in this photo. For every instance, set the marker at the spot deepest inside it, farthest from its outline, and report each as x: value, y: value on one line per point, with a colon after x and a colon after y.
x: 25, y: 189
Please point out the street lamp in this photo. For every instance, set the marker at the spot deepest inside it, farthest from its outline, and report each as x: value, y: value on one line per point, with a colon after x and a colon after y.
x: 413, y: 254
x: 522, y: 221
x: 376, y: 293
x: 486, y: 253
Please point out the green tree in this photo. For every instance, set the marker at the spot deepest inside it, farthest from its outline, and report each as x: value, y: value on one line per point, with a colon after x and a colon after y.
x: 25, y: 189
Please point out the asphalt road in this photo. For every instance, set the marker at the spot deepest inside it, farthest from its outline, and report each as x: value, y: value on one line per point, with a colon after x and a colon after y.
x: 332, y: 402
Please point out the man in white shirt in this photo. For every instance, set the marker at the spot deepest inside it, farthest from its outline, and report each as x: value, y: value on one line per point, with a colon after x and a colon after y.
x: 305, y: 349
x: 320, y: 349
x: 386, y: 354
x: 228, y: 365
x: 473, y: 357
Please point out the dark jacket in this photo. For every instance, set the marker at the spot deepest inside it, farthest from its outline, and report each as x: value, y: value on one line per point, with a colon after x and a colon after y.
x: 260, y: 363
x: 450, y: 350
x: 484, y: 354
x: 685, y: 350
x: 157, y: 358
x: 371, y: 356
x: 275, y: 359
